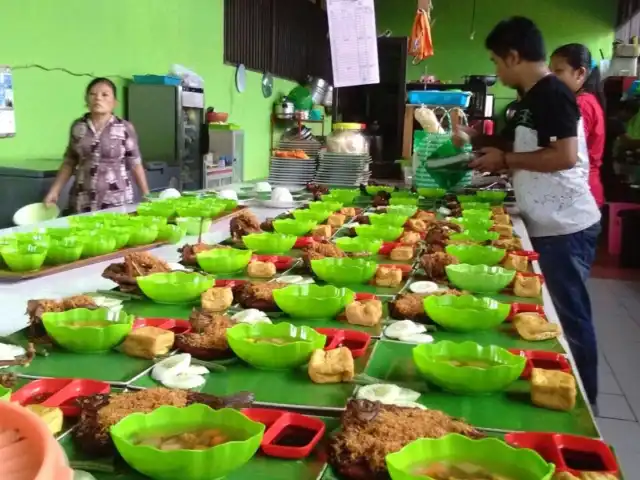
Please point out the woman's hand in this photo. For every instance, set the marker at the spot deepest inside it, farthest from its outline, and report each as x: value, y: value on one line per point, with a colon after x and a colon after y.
x: 51, y: 198
x: 463, y: 135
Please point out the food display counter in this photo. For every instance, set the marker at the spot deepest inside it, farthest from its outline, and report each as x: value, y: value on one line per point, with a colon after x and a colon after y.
x: 396, y: 375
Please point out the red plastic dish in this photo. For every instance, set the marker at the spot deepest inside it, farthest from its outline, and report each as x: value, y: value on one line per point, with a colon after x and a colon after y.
x: 365, y: 296
x: 387, y: 247
x: 229, y: 283
x: 303, y: 242
x: 570, y: 453
x: 540, y: 359
x: 281, y: 263
x: 517, y: 308
x: 354, y: 340
x: 292, y: 436
x: 59, y: 392
x: 175, y: 325
x: 265, y: 416
x: 530, y: 254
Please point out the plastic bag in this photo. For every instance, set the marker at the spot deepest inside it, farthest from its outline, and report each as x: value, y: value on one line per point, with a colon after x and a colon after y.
x: 189, y: 77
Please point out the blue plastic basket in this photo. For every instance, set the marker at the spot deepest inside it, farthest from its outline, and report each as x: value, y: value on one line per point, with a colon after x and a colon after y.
x: 156, y: 80
x: 439, y: 98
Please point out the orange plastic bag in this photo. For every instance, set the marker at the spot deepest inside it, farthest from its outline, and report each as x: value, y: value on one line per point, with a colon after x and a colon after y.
x: 420, y: 43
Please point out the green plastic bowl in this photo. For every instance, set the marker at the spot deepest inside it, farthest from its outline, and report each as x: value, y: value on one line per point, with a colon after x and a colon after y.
x: 149, y: 221
x: 379, y: 232
x: 479, y: 214
x: 171, y: 233
x: 33, y: 238
x: 87, y: 221
x: 473, y: 223
x: 212, y: 463
x: 465, y: 313
x: 434, y: 363
x: 479, y: 278
x: 228, y: 204
x: 388, y: 219
x: 411, y: 201
x: 344, y: 271
x: 175, y: 287
x: 359, y: 245
x: 404, y: 210
x: 192, y: 225
x: 5, y: 393
x: 200, y: 209
x: 313, y: 301
x: 331, y: 206
x: 492, y: 196
x: 373, y: 189
x: 62, y: 232
x: 316, y: 216
x: 476, y: 254
x: 490, y: 453
x: 344, y: 196
x: 121, y: 235
x: 157, y: 209
x: 302, y: 343
x: 143, y: 236
x: 404, y: 194
x: 467, y: 198
x: 64, y: 329
x: 269, y: 243
x: 432, y: 192
x: 475, y: 206
x: 289, y: 226
x: 24, y: 257
x: 477, y: 236
x: 64, y: 250
x: 224, y: 260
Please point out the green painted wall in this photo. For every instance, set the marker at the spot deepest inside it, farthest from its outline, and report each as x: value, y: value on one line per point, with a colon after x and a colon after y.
x: 118, y: 37
x: 456, y: 54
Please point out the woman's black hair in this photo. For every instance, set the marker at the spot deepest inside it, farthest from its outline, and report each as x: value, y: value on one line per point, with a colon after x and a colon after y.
x: 105, y: 81
x: 579, y: 56
x: 517, y: 34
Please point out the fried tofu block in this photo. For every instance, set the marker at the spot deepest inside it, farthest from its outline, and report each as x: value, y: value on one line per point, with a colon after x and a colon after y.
x: 553, y: 389
x: 502, y: 219
x: 336, y: 220
x: 148, y: 342
x: 367, y: 313
x: 410, y: 238
x: 334, y: 366
x: 505, y: 231
x: 388, y: 277
x: 323, y: 231
x: 217, y: 299
x: 518, y: 263
x: 535, y: 328
x: 348, y: 211
x: 416, y: 225
x: 401, y: 253
x: 529, y: 286
x: 261, y: 270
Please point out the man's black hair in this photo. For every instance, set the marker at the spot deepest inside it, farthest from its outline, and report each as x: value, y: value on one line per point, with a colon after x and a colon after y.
x: 517, y: 34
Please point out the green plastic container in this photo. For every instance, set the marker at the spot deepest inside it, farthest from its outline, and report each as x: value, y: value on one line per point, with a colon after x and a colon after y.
x: 359, y: 245
x: 316, y: 216
x: 24, y: 257
x: 212, y: 463
x: 490, y: 453
x: 301, y: 343
x: 175, y: 287
x: 66, y: 330
x: 432, y: 192
x: 476, y: 254
x: 373, y: 189
x: 388, y: 219
x: 411, y: 201
x: 477, y: 236
x: 494, y: 197
x: 328, y: 205
x: 5, y: 393
x: 344, y: 196
x: 298, y: 228
x: 475, y: 206
x: 121, y: 235
x: 379, y: 232
x: 143, y: 236
x: 192, y: 225
x: 433, y: 361
x: 228, y: 204
x: 58, y: 233
x: 157, y: 209
x: 224, y: 260
x: 465, y: 313
x: 200, y: 209
x: 344, y: 271
x: 478, y: 214
x: 313, y: 301
x: 473, y: 223
x: 171, y: 233
x: 404, y: 210
x: 64, y: 250
x: 269, y: 243
x: 39, y: 238
x: 467, y: 198
x: 479, y: 278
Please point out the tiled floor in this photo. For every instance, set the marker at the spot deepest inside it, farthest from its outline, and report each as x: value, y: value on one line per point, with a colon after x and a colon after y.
x: 616, y: 309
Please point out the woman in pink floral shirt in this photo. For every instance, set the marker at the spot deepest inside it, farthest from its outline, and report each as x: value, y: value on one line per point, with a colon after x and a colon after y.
x: 102, y: 150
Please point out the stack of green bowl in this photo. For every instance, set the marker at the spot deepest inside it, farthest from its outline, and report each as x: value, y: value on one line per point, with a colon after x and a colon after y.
x: 269, y: 243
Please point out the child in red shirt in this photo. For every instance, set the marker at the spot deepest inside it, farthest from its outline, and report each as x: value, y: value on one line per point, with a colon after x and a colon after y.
x: 573, y: 64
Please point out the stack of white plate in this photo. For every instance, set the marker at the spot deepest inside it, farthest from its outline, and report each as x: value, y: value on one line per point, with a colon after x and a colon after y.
x: 343, y: 169
x: 309, y: 146
x: 291, y: 171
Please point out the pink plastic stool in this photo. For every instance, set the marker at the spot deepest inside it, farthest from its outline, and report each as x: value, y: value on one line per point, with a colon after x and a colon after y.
x: 615, y: 224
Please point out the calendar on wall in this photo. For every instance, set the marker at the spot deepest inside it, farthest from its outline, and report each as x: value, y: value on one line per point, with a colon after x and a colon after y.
x: 7, y: 106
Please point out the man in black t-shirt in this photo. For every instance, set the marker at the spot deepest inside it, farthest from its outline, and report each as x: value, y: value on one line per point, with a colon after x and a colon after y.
x: 549, y: 164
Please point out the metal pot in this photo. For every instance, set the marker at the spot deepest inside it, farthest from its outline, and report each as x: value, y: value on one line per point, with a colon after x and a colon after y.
x: 284, y: 108
x: 317, y: 88
x: 328, y: 97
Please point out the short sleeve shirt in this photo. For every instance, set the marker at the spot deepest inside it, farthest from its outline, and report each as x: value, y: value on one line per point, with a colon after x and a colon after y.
x: 558, y: 203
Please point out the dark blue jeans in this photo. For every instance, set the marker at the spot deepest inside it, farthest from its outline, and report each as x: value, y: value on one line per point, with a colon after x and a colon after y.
x: 566, y: 264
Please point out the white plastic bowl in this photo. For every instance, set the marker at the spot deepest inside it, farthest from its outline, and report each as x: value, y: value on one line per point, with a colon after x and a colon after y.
x: 35, y: 213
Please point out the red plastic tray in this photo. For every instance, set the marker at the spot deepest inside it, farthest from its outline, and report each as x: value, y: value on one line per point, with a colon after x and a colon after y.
x: 530, y: 254
x: 517, y: 308
x: 292, y: 420
x: 265, y: 416
x: 62, y: 393
x: 303, y: 242
x: 229, y: 283
x: 592, y: 454
x: 541, y: 359
x: 175, y: 325
x: 365, y: 296
x: 387, y: 247
x: 281, y: 263
x: 356, y: 341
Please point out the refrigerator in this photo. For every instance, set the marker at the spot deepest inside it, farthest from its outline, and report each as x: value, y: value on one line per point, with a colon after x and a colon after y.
x: 169, y: 121
x: 224, y: 162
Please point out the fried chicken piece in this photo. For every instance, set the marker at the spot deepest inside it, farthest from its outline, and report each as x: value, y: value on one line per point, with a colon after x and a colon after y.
x: 408, y: 306
x: 434, y: 265
x: 258, y: 296
x: 135, y: 265
x: 267, y: 225
x: 381, y: 199
x: 362, y: 220
x: 437, y: 236
x: 321, y: 249
x: 8, y: 380
x: 208, y: 343
x: 370, y: 431
x: 244, y: 224
x: 78, y: 301
x: 425, y: 216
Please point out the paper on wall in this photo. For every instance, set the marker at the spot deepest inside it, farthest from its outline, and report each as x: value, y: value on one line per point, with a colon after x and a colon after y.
x: 7, y: 113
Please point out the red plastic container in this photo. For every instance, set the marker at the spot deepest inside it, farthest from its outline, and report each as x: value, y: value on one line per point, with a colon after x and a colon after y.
x: 59, y: 392
x: 365, y: 296
x: 356, y: 341
x: 281, y: 263
x: 517, y: 308
x: 229, y: 283
x: 387, y: 247
x: 292, y: 436
x: 530, y: 254
x: 175, y: 325
x: 570, y: 453
x: 540, y: 359
x: 266, y: 416
x: 303, y: 242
